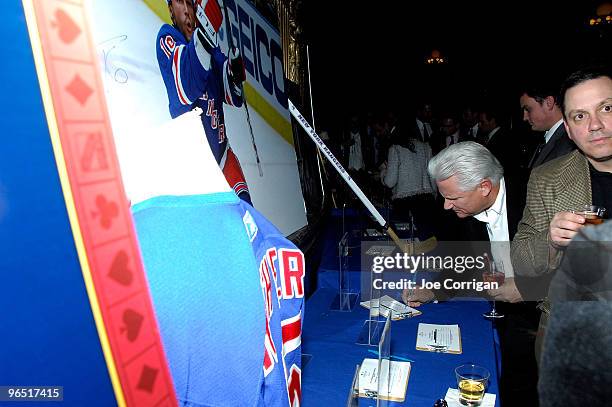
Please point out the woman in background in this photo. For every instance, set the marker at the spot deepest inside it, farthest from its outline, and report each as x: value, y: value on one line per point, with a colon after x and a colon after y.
x: 406, y: 173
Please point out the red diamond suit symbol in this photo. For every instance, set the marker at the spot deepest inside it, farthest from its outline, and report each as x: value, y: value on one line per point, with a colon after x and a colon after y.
x: 147, y: 379
x: 79, y: 89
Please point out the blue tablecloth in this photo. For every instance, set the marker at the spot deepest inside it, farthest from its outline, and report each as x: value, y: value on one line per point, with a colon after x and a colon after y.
x: 330, y: 336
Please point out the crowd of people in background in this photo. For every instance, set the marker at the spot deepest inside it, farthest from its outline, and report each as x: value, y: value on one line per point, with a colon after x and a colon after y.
x: 387, y: 152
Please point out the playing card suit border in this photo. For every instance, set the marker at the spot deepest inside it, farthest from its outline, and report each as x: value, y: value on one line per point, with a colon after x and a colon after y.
x: 43, y: 36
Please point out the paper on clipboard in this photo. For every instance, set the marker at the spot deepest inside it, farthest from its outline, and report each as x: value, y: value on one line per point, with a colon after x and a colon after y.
x: 398, y: 374
x: 439, y: 338
x: 386, y: 304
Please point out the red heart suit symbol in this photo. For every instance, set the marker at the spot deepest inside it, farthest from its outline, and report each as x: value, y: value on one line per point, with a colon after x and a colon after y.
x: 119, y: 270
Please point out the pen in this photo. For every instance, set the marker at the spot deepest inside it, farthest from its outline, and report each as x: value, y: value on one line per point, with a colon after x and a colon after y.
x: 375, y: 352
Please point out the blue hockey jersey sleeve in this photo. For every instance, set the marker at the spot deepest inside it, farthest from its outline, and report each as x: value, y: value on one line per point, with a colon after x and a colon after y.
x: 281, y: 274
x: 187, y: 68
x: 183, y: 74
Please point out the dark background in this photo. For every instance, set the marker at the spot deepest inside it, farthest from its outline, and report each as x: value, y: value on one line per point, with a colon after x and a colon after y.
x: 369, y: 56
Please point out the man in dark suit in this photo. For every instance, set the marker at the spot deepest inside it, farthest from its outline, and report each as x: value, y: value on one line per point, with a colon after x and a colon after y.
x: 449, y: 133
x: 471, y: 181
x: 423, y: 122
x: 470, y: 127
x: 540, y: 106
x: 498, y: 139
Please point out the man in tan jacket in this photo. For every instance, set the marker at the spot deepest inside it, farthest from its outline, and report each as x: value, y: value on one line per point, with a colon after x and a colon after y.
x: 582, y: 177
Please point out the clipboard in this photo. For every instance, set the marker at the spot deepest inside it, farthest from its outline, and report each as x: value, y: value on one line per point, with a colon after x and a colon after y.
x: 439, y: 338
x: 398, y: 370
x: 387, y: 305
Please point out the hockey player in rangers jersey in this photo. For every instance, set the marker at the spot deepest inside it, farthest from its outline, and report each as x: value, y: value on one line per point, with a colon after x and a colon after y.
x: 198, y: 75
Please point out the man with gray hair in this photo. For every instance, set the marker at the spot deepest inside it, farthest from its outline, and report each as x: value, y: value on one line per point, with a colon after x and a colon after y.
x: 471, y: 181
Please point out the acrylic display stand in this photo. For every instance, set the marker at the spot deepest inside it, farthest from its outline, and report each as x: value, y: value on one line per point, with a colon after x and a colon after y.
x: 353, y: 397
x: 345, y: 300
x: 372, y: 328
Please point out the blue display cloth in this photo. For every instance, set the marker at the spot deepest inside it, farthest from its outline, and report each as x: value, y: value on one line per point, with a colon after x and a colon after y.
x: 329, y: 336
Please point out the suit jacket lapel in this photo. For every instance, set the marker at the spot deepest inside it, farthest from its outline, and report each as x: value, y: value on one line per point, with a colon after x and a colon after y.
x: 550, y: 146
x: 570, y: 181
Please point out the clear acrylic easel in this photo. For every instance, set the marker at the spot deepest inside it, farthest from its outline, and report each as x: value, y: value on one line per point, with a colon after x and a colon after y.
x: 372, y: 328
x: 345, y: 300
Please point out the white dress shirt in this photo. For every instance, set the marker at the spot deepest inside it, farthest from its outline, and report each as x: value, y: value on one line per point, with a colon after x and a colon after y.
x: 474, y: 130
x: 496, y: 218
x: 552, y: 130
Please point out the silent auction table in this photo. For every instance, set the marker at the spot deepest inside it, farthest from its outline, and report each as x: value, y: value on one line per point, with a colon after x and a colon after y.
x: 330, y: 336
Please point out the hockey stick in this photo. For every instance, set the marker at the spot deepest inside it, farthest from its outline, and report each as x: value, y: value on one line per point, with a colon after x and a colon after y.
x: 230, y: 42
x: 347, y: 178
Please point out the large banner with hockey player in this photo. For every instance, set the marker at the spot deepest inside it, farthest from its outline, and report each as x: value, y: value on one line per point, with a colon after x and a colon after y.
x: 162, y: 156
x: 227, y: 287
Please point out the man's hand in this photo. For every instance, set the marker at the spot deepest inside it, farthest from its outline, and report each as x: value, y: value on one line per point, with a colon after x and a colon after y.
x: 417, y: 296
x: 210, y: 18
x: 507, y: 292
x: 563, y: 227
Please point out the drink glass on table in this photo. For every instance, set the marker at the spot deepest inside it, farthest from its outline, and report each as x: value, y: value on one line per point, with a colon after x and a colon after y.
x: 593, y: 214
x: 472, y: 383
x: 492, y: 274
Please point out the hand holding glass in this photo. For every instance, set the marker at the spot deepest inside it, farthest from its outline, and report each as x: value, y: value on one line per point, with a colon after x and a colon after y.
x: 593, y: 214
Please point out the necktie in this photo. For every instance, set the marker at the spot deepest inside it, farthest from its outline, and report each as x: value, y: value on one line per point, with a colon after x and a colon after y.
x: 425, y: 133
